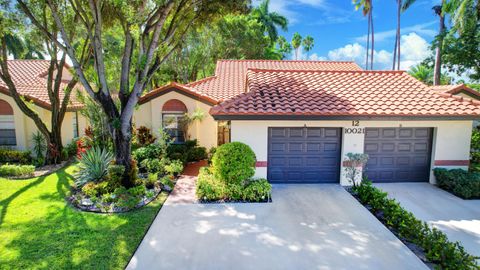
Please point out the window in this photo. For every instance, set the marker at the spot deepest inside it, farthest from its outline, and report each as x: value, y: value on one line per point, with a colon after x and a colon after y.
x: 172, y: 125
x: 7, y: 125
x: 173, y: 112
x: 75, y: 125
x: 223, y: 135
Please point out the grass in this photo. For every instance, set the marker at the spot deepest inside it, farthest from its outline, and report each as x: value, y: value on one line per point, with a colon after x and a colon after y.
x: 39, y: 230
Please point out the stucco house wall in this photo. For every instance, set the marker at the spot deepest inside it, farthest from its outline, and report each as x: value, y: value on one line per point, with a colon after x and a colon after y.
x: 149, y: 114
x: 25, y: 127
x: 450, y: 146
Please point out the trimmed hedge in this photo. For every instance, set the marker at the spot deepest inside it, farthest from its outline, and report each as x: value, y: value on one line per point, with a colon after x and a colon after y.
x: 437, y: 248
x: 459, y: 182
x: 16, y: 170
x: 15, y: 156
x: 234, y: 163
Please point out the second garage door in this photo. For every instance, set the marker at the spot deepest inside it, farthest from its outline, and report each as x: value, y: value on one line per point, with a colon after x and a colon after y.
x: 304, y: 155
x: 398, y: 154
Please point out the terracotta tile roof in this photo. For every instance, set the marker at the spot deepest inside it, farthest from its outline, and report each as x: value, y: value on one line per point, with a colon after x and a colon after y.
x: 456, y: 89
x: 30, y: 78
x: 342, y: 93
x: 229, y: 79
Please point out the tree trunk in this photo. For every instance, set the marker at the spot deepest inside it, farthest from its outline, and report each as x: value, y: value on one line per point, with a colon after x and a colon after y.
x: 368, y: 40
x: 373, y: 38
x: 398, y: 32
x: 54, y: 147
x: 438, y: 52
x: 123, y: 153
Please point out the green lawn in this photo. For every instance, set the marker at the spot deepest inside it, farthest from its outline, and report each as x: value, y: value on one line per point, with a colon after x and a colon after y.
x: 39, y: 230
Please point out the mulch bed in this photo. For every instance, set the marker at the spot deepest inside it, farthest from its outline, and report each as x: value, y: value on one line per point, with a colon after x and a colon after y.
x: 417, y: 250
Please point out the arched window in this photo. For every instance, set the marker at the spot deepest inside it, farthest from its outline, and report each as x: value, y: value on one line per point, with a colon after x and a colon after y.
x: 173, y: 113
x: 7, y: 125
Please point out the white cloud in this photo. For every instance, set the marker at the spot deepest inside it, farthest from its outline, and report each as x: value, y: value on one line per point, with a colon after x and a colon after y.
x: 414, y: 49
x: 316, y: 57
x: 421, y: 29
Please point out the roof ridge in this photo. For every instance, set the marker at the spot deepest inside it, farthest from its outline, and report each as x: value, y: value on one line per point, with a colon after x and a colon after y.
x: 326, y: 71
x: 192, y: 84
x: 288, y: 60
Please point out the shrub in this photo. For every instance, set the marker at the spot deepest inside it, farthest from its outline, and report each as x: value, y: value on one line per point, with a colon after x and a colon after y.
x: 83, y: 144
x: 257, y: 190
x: 438, y: 249
x: 93, y: 165
x: 137, y: 191
x: 114, y: 176
x: 197, y: 154
x: 459, y: 182
x: 15, y: 156
x: 143, y: 136
x: 187, y: 152
x: 166, y: 181
x: 174, y: 168
x: 151, y: 180
x: 16, y: 170
x: 125, y: 199
x: 90, y: 189
x: 208, y: 188
x: 211, y: 152
x: 155, y: 165
x: 39, y: 148
x: 233, y: 163
x: 152, y: 151
x: 70, y: 149
x: 354, y: 163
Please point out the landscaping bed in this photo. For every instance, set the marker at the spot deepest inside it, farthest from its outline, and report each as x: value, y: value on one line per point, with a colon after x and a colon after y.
x: 461, y: 183
x: 429, y: 244
x: 230, y: 177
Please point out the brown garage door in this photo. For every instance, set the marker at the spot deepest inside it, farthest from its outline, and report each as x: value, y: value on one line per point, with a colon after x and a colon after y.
x: 304, y: 155
x: 398, y: 154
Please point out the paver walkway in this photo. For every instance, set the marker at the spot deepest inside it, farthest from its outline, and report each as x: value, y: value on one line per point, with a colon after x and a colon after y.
x: 184, y: 191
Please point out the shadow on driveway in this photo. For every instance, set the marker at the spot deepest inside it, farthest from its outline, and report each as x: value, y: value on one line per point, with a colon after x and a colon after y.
x: 306, y: 227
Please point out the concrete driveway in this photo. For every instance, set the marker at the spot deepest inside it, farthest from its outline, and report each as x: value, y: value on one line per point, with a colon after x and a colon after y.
x: 458, y: 218
x: 306, y: 227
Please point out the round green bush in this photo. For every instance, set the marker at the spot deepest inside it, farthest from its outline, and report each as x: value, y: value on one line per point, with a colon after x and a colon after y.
x: 234, y: 163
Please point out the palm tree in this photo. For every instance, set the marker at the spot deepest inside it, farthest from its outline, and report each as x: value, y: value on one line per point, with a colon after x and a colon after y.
x: 270, y: 20
x: 367, y: 9
x: 438, y: 51
x: 464, y: 13
x: 422, y: 73
x: 284, y: 47
x: 296, y: 42
x: 402, y: 6
x: 308, y: 44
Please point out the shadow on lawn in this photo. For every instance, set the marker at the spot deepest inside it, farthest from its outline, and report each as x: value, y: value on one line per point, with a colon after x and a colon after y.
x: 5, y: 203
x: 66, y: 238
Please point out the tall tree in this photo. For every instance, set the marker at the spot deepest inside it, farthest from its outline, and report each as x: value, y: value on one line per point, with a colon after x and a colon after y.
x: 308, y: 44
x: 151, y: 30
x: 55, y: 85
x: 439, y: 43
x: 296, y: 43
x: 402, y: 6
x: 283, y: 46
x: 367, y: 10
x: 270, y: 20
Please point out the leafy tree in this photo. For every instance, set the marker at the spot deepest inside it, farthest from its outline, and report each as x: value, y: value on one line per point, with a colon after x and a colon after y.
x: 367, y: 10
x: 461, y: 51
x: 150, y: 32
x: 283, y: 46
x: 269, y: 20
x: 308, y: 44
x: 425, y: 73
x: 55, y: 78
x: 296, y: 43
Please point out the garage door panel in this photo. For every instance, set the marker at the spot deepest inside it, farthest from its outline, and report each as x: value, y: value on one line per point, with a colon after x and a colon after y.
x: 304, y: 155
x: 398, y: 154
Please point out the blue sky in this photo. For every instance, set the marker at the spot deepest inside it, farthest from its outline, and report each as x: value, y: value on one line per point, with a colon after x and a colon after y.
x: 340, y: 31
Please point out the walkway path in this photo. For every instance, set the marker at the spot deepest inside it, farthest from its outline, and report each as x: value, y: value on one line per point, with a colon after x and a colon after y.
x: 184, y: 191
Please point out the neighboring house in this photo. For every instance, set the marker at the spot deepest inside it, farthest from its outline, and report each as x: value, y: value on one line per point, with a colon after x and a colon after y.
x: 302, y: 117
x: 30, y: 78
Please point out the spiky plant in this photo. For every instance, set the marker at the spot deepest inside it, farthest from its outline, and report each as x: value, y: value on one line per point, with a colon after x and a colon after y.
x: 93, y: 165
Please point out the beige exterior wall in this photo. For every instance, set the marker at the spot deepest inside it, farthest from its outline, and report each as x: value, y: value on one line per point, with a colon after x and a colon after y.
x: 150, y: 115
x: 25, y: 127
x: 451, y: 139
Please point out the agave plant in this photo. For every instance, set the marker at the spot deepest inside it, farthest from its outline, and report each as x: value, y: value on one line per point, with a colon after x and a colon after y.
x: 93, y: 165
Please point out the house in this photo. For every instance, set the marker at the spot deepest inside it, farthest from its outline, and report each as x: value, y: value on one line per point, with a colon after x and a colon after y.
x: 302, y: 117
x: 30, y: 78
